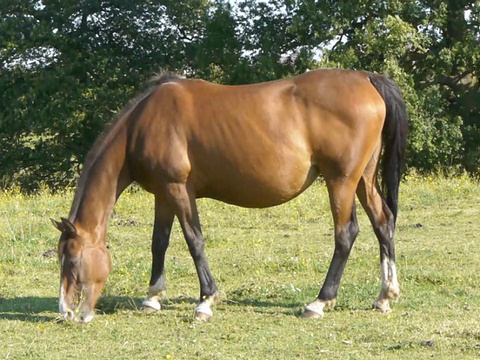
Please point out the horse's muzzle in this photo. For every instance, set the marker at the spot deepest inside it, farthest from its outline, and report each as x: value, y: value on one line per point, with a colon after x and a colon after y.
x: 77, y: 311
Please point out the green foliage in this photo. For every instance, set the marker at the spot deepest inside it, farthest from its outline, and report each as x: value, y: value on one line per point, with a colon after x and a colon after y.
x: 66, y: 67
x: 436, y: 67
x: 73, y: 65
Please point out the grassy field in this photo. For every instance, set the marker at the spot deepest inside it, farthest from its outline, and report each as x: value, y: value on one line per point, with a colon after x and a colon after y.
x: 268, y: 265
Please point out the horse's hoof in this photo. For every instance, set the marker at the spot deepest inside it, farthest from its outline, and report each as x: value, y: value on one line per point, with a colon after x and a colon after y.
x: 201, y: 316
x: 382, y: 305
x: 148, y: 310
x: 310, y: 314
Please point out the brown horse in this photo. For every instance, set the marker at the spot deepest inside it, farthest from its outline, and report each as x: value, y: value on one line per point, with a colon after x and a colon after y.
x: 252, y: 145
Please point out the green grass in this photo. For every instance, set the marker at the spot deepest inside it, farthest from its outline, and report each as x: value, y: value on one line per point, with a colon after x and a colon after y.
x: 268, y: 265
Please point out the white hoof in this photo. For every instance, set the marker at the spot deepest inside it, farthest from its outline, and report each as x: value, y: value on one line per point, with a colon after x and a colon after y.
x: 151, y: 304
x: 382, y: 305
x: 311, y: 314
x: 203, y: 311
x: 200, y: 316
x: 314, y: 310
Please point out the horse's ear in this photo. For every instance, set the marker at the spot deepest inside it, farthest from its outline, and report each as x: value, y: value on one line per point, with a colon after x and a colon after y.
x: 65, y: 226
x: 58, y: 225
x: 69, y: 227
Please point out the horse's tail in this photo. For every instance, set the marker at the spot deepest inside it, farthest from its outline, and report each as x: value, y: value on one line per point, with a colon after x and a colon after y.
x: 394, y: 133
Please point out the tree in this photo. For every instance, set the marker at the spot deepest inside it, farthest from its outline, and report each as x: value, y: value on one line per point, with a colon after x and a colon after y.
x: 429, y: 47
x: 271, y: 45
x: 67, y: 66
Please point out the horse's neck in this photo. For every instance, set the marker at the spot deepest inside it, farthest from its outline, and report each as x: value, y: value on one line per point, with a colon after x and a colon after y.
x: 101, y: 183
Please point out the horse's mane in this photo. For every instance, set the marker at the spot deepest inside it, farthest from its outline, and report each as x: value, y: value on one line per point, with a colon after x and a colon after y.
x: 110, y: 131
x: 162, y: 77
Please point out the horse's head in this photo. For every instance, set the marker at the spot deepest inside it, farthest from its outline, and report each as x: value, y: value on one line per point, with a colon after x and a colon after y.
x: 84, y: 268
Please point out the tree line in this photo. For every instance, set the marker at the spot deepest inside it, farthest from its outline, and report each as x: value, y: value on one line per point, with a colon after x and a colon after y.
x: 67, y: 66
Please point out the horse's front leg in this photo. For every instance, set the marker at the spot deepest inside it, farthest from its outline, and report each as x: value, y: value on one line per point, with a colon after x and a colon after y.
x: 164, y: 216
x: 186, y: 211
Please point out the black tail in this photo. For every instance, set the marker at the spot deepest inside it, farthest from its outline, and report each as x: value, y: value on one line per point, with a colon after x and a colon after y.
x: 395, y: 131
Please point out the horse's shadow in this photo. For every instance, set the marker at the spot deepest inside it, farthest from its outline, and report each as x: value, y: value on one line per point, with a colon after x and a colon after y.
x: 263, y: 306
x: 45, y: 309
x: 110, y: 305
x: 28, y: 308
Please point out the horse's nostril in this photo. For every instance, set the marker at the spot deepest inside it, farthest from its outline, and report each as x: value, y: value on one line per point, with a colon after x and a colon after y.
x: 69, y: 314
x: 85, y: 318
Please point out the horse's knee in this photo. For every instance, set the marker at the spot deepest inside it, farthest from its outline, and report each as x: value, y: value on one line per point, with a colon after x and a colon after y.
x: 159, y: 246
x: 389, y: 224
x: 384, y: 226
x: 354, y: 229
x: 196, y: 248
x: 346, y: 237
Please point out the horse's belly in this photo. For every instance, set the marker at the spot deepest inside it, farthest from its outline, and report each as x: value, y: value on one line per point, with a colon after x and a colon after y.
x: 256, y: 189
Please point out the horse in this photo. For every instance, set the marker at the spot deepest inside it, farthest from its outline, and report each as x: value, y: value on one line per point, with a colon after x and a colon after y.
x: 256, y: 146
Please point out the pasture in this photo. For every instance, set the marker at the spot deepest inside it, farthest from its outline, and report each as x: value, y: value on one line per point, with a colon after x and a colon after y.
x: 268, y: 264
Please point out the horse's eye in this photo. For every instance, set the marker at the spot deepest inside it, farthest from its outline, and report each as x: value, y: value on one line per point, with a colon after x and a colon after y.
x: 72, y: 262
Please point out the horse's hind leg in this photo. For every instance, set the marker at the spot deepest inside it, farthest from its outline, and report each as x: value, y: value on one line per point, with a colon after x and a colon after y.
x: 185, y: 206
x: 384, y: 227
x: 164, y: 216
x: 342, y: 195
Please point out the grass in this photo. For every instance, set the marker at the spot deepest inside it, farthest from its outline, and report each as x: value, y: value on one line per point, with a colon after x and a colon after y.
x: 268, y: 265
